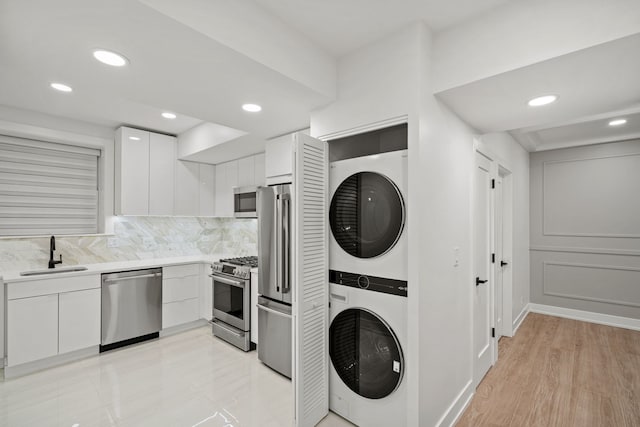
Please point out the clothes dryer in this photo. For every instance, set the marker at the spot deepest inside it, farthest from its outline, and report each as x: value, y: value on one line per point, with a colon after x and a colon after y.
x: 367, y: 215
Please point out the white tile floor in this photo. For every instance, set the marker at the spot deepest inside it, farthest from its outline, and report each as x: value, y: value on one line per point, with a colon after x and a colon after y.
x: 188, y: 379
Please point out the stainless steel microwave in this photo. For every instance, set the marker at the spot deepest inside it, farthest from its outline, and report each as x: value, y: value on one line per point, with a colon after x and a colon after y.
x: 245, y: 202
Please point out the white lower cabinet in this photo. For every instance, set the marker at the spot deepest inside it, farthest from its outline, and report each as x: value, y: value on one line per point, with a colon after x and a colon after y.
x: 179, y: 312
x: 180, y: 291
x: 254, y: 307
x: 32, y: 329
x: 79, y: 320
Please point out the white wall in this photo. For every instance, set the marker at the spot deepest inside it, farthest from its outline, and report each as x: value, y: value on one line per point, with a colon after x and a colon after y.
x: 390, y: 79
x: 513, y: 157
x: 44, y: 127
x: 522, y: 32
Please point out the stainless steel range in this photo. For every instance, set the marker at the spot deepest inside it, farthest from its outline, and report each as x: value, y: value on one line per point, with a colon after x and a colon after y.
x: 231, y: 281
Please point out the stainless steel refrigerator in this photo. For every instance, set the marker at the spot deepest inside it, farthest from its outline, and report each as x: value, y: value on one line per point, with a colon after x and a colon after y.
x: 274, y: 277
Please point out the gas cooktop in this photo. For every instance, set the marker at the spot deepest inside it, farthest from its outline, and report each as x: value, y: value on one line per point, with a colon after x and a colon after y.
x: 248, y: 261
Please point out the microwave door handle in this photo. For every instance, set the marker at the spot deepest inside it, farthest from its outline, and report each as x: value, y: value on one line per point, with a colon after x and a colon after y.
x: 286, y: 243
x: 278, y: 237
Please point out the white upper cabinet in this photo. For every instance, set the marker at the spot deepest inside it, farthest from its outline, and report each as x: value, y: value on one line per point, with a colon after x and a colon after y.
x: 279, y: 160
x: 145, y: 169
x: 258, y: 175
x: 187, y: 193
x: 226, y: 179
x: 207, y: 190
x: 162, y: 162
x: 131, y: 172
x: 246, y: 171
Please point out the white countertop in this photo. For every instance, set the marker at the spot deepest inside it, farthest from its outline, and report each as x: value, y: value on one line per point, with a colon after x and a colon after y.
x: 106, y: 267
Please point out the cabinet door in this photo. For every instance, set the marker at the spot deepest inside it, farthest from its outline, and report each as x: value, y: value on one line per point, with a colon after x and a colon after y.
x: 162, y: 162
x: 79, y: 316
x: 246, y: 171
x: 132, y: 172
x: 187, y: 192
x: 279, y: 159
x: 207, y: 190
x: 226, y: 179
x: 32, y: 329
x: 258, y: 174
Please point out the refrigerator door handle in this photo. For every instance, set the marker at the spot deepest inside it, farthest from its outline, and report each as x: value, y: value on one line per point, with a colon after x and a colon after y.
x: 286, y: 242
x: 278, y: 237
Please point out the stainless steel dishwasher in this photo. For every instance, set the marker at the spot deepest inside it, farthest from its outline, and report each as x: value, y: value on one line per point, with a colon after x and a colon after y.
x: 131, y: 307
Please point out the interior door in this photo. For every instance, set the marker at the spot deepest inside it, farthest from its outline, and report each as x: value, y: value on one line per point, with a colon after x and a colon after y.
x: 310, y: 287
x: 499, y: 250
x: 482, y: 292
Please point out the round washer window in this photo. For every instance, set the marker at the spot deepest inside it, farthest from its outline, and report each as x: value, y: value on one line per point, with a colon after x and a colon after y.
x: 367, y: 214
x: 365, y: 353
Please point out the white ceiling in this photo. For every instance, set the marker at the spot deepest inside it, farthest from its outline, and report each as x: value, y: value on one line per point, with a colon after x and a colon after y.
x: 598, y: 81
x: 202, y: 59
x: 340, y: 26
x: 172, y: 68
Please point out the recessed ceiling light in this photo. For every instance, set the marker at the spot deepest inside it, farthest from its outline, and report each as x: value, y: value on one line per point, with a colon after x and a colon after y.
x: 110, y: 58
x: 61, y: 87
x: 134, y: 138
x: 168, y: 115
x: 617, y: 122
x: 252, y: 108
x: 542, y: 100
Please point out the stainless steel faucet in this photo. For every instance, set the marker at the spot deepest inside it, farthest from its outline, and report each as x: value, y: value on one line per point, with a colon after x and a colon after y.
x: 52, y: 248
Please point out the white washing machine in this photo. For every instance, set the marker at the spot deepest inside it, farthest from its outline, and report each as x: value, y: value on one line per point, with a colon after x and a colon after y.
x: 368, y: 215
x: 367, y: 340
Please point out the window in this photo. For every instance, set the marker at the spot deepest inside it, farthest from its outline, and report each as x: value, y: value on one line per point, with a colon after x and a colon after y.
x: 47, y: 188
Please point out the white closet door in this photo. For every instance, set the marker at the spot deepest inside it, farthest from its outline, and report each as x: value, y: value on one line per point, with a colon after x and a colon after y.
x: 310, y: 301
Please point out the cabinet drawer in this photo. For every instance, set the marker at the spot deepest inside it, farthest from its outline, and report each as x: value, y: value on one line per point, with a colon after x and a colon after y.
x: 51, y: 286
x: 180, y: 271
x: 179, y: 312
x: 179, y: 288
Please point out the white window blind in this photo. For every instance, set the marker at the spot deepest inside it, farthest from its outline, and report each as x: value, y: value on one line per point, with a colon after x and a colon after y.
x: 47, y: 188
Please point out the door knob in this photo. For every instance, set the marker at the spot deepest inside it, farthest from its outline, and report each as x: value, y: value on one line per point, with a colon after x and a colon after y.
x: 502, y: 263
x: 478, y: 281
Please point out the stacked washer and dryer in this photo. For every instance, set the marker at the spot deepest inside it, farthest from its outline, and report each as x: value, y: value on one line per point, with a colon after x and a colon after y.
x: 368, y: 288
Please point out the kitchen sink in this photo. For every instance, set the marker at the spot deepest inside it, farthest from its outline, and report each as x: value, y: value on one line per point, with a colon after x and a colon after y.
x: 53, y: 270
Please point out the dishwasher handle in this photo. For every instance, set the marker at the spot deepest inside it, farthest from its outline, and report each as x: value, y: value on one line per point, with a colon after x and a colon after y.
x: 120, y: 279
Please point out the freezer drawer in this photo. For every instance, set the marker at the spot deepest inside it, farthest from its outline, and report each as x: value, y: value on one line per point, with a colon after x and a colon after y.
x: 274, y: 330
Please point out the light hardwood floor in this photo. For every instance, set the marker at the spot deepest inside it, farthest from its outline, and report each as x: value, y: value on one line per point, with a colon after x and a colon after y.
x: 561, y: 372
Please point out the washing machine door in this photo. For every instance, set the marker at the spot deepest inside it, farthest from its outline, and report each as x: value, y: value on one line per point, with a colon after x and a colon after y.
x: 365, y: 353
x: 367, y: 214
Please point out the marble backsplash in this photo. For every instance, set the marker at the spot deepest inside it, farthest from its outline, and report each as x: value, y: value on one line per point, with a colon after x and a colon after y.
x: 137, y: 238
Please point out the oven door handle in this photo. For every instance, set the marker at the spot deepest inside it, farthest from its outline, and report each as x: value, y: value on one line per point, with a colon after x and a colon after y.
x: 236, y: 283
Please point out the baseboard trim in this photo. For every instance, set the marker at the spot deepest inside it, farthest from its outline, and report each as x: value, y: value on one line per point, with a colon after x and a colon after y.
x: 184, y: 327
x: 50, y: 362
x: 586, y: 316
x: 520, y: 319
x: 457, y: 407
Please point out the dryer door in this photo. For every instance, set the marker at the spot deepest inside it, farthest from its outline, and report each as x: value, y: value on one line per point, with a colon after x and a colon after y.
x: 367, y: 214
x: 365, y: 353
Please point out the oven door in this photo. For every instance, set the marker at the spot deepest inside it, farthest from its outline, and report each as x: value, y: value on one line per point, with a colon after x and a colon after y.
x: 231, y: 301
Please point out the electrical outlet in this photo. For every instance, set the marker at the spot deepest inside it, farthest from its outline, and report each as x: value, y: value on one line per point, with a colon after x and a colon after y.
x: 148, y: 242
x: 113, y: 242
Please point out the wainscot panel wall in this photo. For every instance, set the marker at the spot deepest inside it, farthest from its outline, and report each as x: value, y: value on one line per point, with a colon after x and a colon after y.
x: 585, y: 228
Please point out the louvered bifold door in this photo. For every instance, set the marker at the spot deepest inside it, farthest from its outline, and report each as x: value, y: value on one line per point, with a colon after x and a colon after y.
x: 310, y: 298
x: 47, y: 188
